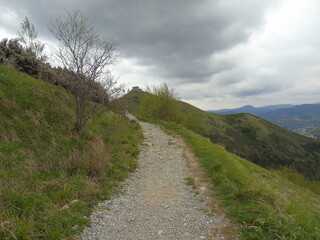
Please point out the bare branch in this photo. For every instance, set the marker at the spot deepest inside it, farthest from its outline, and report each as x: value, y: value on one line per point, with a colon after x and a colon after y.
x: 82, y: 51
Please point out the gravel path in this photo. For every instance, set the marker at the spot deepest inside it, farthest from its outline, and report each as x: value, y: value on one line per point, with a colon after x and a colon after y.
x: 157, y: 202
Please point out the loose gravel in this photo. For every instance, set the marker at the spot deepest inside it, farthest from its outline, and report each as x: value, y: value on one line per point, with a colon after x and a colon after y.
x: 156, y: 203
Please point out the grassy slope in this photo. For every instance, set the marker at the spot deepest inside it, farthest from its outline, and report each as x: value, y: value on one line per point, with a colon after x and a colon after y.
x: 250, y: 137
x: 50, y: 178
x: 266, y: 144
x: 266, y: 205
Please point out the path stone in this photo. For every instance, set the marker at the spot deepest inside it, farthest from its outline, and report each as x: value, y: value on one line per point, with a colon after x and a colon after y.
x: 157, y: 203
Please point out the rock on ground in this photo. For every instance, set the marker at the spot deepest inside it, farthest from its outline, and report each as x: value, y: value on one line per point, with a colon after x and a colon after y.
x: 157, y: 203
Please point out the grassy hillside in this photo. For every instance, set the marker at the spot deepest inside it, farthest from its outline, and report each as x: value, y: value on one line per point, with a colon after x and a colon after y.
x: 266, y: 205
x: 50, y: 178
x: 266, y: 144
x: 250, y: 137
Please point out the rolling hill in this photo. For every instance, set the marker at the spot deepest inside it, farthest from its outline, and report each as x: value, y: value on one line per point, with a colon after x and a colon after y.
x: 51, y: 178
x: 267, y: 204
x: 304, y: 119
x: 250, y: 137
x: 250, y: 109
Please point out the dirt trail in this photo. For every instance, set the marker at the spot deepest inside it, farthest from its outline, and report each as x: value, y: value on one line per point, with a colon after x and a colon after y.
x: 157, y: 202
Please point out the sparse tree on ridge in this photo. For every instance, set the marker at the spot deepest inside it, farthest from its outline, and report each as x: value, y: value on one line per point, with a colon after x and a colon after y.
x: 87, y: 55
x: 25, y: 53
x: 28, y: 37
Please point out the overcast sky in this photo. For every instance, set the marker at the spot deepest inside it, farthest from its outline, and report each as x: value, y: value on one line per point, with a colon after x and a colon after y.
x: 214, y: 53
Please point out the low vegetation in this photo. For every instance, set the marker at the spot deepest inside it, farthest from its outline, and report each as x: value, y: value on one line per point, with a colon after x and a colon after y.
x: 265, y: 204
x: 250, y: 137
x: 266, y: 144
x: 50, y: 177
x: 53, y: 173
x: 160, y: 103
x: 279, y: 203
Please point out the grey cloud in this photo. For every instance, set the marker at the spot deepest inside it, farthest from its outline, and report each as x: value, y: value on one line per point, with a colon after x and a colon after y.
x: 249, y: 91
x: 187, y: 43
x: 229, y: 77
x: 177, y: 38
x: 180, y: 38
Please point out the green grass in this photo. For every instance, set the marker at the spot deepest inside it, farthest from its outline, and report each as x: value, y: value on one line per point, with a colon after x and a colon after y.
x: 190, y: 182
x: 50, y: 178
x: 248, y: 136
x: 266, y: 205
x: 293, y: 176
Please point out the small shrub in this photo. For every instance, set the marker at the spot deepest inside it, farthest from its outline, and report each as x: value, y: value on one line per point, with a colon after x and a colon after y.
x: 161, y: 103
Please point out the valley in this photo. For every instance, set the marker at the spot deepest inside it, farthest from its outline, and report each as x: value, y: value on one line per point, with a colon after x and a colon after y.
x: 52, y: 178
x: 266, y: 176
x: 84, y: 157
x: 248, y: 136
x: 303, y: 119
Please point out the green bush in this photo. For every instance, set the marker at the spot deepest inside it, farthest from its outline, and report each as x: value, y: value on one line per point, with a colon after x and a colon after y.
x: 161, y: 103
x: 12, y: 53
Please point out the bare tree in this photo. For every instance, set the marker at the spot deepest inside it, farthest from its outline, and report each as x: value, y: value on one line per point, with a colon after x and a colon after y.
x: 116, y: 99
x: 28, y: 37
x: 87, y: 55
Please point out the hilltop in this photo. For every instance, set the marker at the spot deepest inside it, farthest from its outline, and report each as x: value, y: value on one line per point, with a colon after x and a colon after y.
x: 266, y: 204
x: 250, y: 137
x: 51, y: 177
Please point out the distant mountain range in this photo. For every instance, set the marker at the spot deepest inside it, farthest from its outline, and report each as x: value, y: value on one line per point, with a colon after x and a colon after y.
x: 303, y: 118
x: 252, y: 110
x: 245, y: 135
